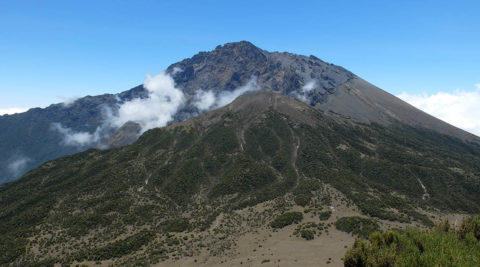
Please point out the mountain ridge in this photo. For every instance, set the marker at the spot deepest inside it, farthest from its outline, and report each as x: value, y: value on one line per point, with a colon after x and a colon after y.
x: 28, y: 139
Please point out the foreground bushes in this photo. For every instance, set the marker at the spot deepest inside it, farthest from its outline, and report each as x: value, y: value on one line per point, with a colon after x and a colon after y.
x: 413, y: 247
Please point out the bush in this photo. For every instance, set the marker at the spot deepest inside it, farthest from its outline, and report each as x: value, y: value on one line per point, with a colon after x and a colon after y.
x: 307, y: 234
x: 362, y: 227
x: 413, y: 247
x: 302, y: 199
x: 177, y: 225
x: 286, y: 219
x: 325, y: 215
x: 469, y: 225
x: 303, y: 192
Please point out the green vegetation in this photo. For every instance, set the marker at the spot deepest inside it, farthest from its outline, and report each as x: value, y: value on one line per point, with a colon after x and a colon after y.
x: 303, y: 192
x: 362, y: 227
x: 177, y: 225
x: 309, y: 230
x: 286, y: 219
x: 175, y: 181
x: 413, y: 247
x: 118, y: 248
x: 244, y: 175
x: 307, y: 234
x: 325, y: 215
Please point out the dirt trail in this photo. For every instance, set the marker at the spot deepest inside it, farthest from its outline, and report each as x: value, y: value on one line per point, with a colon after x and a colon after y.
x: 296, y: 145
x: 425, y: 192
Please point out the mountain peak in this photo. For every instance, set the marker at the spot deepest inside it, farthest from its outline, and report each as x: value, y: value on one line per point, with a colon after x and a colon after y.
x: 241, y: 45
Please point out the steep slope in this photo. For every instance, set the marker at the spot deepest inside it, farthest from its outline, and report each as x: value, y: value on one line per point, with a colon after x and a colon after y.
x: 28, y: 140
x: 205, y: 185
x: 320, y: 84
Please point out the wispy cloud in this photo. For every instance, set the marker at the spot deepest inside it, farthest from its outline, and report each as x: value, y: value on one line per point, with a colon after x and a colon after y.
x: 79, y: 139
x: 17, y: 165
x: 67, y: 101
x: 305, y: 90
x: 460, y: 108
x: 206, y: 100
x: 4, y: 111
x: 309, y: 86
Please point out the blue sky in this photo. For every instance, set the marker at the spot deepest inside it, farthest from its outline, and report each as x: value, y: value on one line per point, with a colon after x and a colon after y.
x: 50, y: 50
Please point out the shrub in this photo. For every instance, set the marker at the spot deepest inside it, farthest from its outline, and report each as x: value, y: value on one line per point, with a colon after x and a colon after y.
x: 177, y: 225
x: 413, y: 247
x: 469, y: 225
x: 362, y: 227
x: 302, y: 199
x: 303, y: 192
x: 286, y: 219
x: 307, y: 234
x: 325, y: 215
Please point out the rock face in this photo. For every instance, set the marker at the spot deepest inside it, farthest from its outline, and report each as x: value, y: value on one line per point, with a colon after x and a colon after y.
x: 232, y: 65
x: 27, y: 138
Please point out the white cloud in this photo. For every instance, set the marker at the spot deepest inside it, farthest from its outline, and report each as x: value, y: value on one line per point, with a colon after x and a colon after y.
x: 80, y: 139
x: 309, y: 86
x: 204, y: 100
x: 17, y: 166
x: 4, y: 111
x: 460, y: 108
x: 67, y: 101
x: 306, y: 88
x: 226, y: 97
x: 157, y: 110
x: 176, y: 70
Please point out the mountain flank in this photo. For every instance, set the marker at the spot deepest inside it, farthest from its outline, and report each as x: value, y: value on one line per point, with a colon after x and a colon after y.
x: 242, y: 184
x: 28, y: 139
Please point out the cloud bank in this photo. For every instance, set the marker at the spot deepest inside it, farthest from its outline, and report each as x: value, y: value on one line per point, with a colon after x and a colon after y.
x: 9, y: 111
x: 460, y: 108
